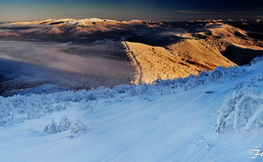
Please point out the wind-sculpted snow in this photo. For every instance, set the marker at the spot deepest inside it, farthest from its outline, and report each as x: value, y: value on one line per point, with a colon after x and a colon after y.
x: 243, y: 107
x: 37, y: 105
x: 147, y: 122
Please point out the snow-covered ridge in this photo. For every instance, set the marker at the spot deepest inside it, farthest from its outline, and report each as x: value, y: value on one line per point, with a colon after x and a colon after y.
x: 74, y: 22
x: 65, y: 21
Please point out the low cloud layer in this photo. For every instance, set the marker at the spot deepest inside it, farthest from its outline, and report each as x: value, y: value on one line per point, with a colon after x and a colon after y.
x: 38, y: 63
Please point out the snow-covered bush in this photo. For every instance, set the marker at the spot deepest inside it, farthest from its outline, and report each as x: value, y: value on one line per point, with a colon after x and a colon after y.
x: 52, y: 128
x: 60, y: 107
x: 166, y: 90
x: 202, y: 74
x: 33, y: 113
x: 77, y: 128
x: 257, y: 79
x: 192, y: 84
x: 121, y: 88
x: 243, y: 107
x: 255, y: 60
x: 64, y: 125
x: 217, y: 74
x: 220, y: 73
x: 11, y: 121
x: 240, y: 85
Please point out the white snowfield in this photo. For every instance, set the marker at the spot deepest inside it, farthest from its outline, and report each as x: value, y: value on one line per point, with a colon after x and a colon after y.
x: 215, y: 116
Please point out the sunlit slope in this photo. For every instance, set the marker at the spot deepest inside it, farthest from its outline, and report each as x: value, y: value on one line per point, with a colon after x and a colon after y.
x: 177, y: 60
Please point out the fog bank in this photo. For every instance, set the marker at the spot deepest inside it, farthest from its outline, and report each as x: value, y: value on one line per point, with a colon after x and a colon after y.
x: 28, y: 64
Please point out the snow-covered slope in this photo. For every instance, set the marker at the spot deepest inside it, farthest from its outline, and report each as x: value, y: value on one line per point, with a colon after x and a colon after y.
x: 167, y: 121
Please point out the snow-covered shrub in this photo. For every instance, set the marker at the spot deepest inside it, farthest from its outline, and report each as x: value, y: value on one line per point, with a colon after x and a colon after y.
x: 257, y: 119
x: 11, y: 121
x: 255, y: 60
x: 192, y: 84
x: 177, y: 83
x: 119, y: 99
x: 203, y: 74
x: 150, y: 91
x: 236, y: 71
x: 77, y: 128
x: 144, y: 88
x: 106, y: 92
x: 165, y: 90
x: 107, y: 100
x: 257, y: 79
x: 133, y: 91
x: 240, y: 85
x: 64, y: 125
x: 3, y: 115
x: 141, y: 89
x: 67, y: 104
x: 48, y: 108
x: 33, y: 113
x: 121, y: 88
x: 58, y: 107
x: 216, y: 74
x: 52, y: 128
x: 83, y: 101
x: 242, y: 108
x: 220, y: 73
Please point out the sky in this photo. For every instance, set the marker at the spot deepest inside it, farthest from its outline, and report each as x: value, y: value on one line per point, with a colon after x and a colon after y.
x: 173, y: 10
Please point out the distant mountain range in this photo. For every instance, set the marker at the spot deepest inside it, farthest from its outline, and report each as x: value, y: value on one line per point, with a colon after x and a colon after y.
x: 151, y: 50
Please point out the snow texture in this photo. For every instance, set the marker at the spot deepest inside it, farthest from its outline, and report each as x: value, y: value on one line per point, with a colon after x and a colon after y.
x: 40, y: 100
x: 243, y: 107
x: 168, y: 120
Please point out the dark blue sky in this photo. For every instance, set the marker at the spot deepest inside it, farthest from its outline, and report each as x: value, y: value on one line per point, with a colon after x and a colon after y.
x: 177, y: 10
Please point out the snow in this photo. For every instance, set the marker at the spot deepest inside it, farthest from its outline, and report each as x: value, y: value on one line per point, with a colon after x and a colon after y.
x: 42, y: 89
x: 81, y: 21
x: 65, y: 21
x: 132, y: 123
